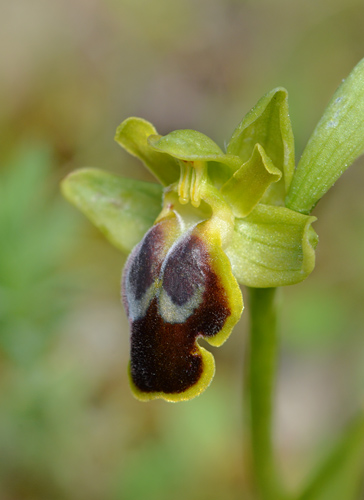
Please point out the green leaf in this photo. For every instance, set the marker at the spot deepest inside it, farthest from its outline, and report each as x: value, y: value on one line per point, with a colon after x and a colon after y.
x: 132, y: 134
x: 341, y: 474
x: 190, y: 145
x: 335, y: 143
x: 123, y: 209
x: 272, y: 246
x: 247, y: 186
x: 269, y: 125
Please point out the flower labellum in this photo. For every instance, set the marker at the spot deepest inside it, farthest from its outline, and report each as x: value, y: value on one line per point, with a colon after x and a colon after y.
x: 177, y: 287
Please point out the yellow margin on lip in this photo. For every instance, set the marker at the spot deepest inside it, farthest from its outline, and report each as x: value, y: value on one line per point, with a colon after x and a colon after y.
x: 208, y: 372
x: 220, y: 264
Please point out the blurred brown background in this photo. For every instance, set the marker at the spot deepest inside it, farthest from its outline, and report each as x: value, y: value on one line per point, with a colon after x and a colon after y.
x: 71, y: 71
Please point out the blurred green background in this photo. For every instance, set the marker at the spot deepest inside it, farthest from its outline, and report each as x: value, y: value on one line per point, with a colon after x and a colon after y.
x: 71, y: 71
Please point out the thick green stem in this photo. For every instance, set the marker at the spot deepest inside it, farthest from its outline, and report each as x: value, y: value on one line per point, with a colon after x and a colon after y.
x: 261, y: 383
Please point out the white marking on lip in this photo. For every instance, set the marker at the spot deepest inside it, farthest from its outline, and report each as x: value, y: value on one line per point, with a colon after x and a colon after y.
x: 172, y: 313
x: 138, y: 308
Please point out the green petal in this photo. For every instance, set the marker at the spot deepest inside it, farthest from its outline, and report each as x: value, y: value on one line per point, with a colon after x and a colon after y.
x: 272, y: 246
x: 132, y: 135
x: 336, y: 142
x: 190, y: 145
x: 269, y: 125
x: 122, y: 209
x: 247, y: 186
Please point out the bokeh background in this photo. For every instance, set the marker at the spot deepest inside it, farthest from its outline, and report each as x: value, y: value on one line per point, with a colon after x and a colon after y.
x: 70, y: 72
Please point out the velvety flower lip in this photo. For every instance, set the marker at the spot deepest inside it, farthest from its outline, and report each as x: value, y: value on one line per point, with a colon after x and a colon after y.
x: 216, y: 220
x: 175, y: 292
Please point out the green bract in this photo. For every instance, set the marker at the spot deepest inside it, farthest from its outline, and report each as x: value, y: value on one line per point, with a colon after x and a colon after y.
x: 334, y: 145
x: 243, y: 213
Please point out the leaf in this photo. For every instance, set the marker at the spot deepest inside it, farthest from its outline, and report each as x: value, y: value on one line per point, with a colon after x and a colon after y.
x: 341, y: 474
x: 269, y: 125
x: 248, y: 184
x: 123, y: 209
x: 272, y: 246
x: 132, y: 134
x: 335, y: 143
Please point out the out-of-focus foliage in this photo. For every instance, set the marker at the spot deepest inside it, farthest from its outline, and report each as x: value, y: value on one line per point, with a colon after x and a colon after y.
x: 36, y: 232
x: 71, y: 71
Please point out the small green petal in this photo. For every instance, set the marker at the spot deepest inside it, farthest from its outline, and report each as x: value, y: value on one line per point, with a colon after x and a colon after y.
x: 335, y: 143
x: 132, y: 135
x: 269, y: 125
x: 123, y: 209
x: 190, y: 145
x: 247, y: 186
x: 272, y: 246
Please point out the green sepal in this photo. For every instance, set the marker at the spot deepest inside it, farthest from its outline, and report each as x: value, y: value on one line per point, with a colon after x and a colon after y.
x: 335, y: 143
x: 248, y: 184
x: 272, y: 246
x: 132, y: 134
x: 340, y: 476
x: 269, y: 125
x: 122, y: 209
x: 190, y: 145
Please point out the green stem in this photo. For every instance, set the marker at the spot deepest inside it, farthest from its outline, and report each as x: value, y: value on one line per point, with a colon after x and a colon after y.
x: 261, y: 384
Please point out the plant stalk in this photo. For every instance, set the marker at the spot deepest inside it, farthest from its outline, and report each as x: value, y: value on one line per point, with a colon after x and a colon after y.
x: 262, y: 364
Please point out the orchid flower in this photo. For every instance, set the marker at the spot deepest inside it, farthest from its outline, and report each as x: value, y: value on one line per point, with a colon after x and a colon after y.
x: 215, y: 220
